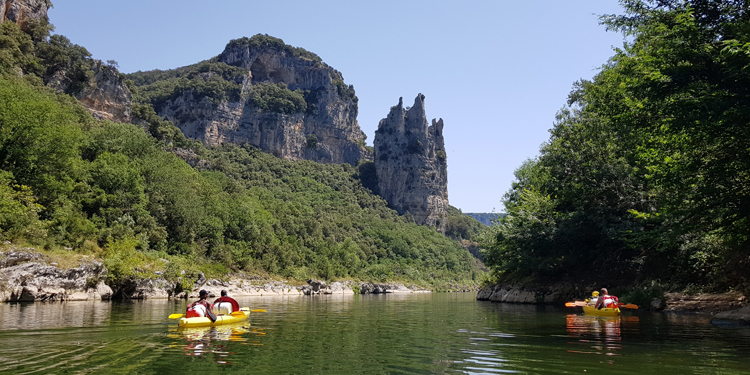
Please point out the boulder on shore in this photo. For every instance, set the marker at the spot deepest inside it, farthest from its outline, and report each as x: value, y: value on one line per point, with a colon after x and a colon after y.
x: 528, y: 294
x: 26, y: 277
x: 739, y: 316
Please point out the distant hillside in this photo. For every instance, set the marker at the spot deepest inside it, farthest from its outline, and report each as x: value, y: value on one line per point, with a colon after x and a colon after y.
x: 485, y: 218
x: 154, y: 204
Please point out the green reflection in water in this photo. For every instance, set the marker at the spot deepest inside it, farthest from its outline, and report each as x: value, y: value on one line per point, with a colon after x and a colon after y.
x: 386, y: 334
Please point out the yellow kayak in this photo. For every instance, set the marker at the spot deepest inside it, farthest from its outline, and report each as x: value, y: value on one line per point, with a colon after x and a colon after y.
x: 236, y: 317
x: 604, y: 311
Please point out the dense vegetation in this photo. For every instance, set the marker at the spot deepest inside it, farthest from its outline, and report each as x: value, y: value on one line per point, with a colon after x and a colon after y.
x: 215, y: 80
x: 278, y: 98
x: 646, y: 176
x: 259, y: 41
x: 122, y: 193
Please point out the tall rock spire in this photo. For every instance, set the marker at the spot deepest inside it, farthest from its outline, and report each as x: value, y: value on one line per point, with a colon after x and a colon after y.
x: 411, y: 165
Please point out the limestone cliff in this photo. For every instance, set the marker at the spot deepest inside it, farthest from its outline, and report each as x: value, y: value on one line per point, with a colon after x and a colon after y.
x: 325, y: 130
x: 106, y: 97
x: 411, y: 166
x: 101, y: 90
x: 19, y: 11
x: 104, y: 94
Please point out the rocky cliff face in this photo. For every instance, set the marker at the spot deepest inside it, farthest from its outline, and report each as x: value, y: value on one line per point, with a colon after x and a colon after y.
x: 411, y: 166
x: 331, y: 115
x: 28, y: 276
x: 20, y: 10
x: 104, y: 95
x: 107, y: 97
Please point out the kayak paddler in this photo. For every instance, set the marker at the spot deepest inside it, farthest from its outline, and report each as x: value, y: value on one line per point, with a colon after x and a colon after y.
x: 594, y: 297
x: 201, y: 307
x: 605, y: 300
x: 225, y: 305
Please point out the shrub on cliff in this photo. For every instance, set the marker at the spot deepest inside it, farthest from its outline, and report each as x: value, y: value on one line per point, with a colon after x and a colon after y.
x: 215, y: 80
x: 259, y: 41
x: 277, y: 98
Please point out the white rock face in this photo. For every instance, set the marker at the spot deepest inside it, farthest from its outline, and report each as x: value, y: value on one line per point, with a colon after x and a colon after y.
x: 411, y: 165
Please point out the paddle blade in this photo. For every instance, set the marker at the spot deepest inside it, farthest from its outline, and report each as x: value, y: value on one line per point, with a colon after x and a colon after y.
x: 238, y: 313
x: 575, y: 304
x: 629, y: 306
x: 176, y: 316
x: 258, y: 310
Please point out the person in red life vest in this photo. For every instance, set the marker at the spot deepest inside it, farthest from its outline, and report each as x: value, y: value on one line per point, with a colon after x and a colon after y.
x: 225, y: 305
x: 605, y: 300
x: 200, y: 308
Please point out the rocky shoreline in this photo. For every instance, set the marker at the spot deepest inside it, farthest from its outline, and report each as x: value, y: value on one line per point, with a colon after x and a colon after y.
x: 29, y: 276
x: 727, y: 308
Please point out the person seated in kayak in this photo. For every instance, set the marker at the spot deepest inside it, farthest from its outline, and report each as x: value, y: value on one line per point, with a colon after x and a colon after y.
x: 605, y: 300
x: 225, y: 305
x: 594, y: 297
x: 199, y: 308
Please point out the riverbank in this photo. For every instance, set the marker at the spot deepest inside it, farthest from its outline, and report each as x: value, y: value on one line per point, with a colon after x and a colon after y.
x: 30, y: 276
x: 709, y: 303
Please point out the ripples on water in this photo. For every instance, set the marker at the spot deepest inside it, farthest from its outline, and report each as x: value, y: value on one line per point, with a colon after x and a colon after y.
x: 391, y: 334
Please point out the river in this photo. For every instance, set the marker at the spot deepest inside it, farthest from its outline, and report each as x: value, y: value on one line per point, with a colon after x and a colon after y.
x: 424, y: 333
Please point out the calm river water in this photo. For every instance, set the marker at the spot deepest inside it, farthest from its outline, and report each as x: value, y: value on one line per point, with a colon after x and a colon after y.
x: 374, y: 334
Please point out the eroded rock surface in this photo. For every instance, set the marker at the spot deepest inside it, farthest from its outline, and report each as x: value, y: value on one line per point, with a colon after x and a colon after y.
x: 703, y: 302
x: 411, y: 166
x: 19, y: 11
x: 331, y: 116
x: 528, y: 294
x: 739, y: 316
x: 25, y: 276
x: 107, y: 97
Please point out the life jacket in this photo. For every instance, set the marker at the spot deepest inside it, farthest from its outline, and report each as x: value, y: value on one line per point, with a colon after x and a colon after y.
x: 197, y: 309
x: 226, y: 305
x: 610, y: 301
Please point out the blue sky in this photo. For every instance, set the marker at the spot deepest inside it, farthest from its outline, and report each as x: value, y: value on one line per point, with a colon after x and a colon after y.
x: 495, y: 71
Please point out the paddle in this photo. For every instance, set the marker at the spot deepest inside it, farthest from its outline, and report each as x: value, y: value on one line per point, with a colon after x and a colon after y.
x: 176, y: 316
x: 575, y: 304
x: 211, y: 315
x: 628, y: 306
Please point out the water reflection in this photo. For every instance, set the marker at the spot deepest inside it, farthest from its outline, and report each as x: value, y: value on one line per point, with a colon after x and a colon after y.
x: 202, y: 341
x: 35, y: 315
x: 602, y: 334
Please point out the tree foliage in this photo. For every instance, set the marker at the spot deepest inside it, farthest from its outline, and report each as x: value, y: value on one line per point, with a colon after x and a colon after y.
x: 646, y: 171
x: 260, y: 41
x: 277, y: 98
x: 210, y: 79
